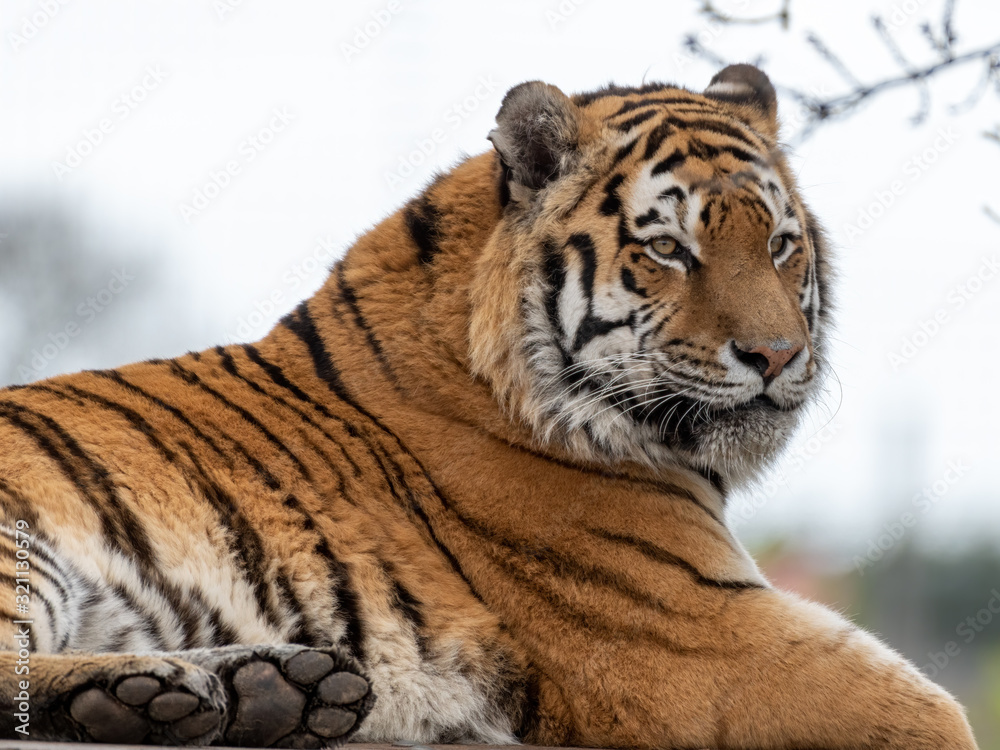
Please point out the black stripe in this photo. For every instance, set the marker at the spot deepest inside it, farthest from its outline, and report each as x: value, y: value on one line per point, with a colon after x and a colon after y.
x: 116, y: 377
x: 629, y: 282
x: 675, y: 159
x: 245, y: 545
x: 147, y: 624
x: 22, y: 508
x: 192, y: 378
x: 623, y: 152
x: 657, y: 136
x: 554, y: 270
x: 349, y: 298
x: 120, y: 526
x: 740, y: 154
x: 716, y: 126
x: 647, y: 218
x: 658, y: 554
x: 262, y: 471
x: 503, y: 182
x: 515, y: 558
x: 664, y: 488
x: 411, y: 609
x: 611, y: 89
x: 423, y: 220
x: 277, y: 376
x: 223, y: 634
x: 229, y: 365
x: 706, y: 213
x: 135, y: 420
x: 562, y: 565
x: 612, y: 203
x: 584, y: 245
x: 346, y: 597
x: 659, y: 101
x: 674, y: 192
x: 593, y: 326
x: 638, y: 119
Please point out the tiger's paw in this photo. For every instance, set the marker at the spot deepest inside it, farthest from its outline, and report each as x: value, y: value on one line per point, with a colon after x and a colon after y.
x: 182, y: 706
x: 293, y: 696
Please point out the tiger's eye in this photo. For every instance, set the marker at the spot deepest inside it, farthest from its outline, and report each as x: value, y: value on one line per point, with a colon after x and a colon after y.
x: 777, y: 244
x: 665, y: 246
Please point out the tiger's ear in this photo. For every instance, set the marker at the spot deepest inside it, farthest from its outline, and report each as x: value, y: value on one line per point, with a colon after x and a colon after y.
x: 751, y: 93
x: 536, y: 136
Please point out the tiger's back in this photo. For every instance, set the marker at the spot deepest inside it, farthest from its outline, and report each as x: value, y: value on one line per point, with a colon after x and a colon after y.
x: 485, y: 467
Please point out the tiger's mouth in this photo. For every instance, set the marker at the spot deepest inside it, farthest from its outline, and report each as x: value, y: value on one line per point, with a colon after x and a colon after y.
x: 764, y: 402
x: 680, y: 420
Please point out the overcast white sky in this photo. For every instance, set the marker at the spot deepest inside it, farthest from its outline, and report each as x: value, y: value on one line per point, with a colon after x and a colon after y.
x: 342, y: 108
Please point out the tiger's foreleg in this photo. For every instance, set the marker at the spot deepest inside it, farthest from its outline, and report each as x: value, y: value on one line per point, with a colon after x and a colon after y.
x: 802, y: 676
x: 765, y: 671
x: 254, y: 696
x: 78, y: 663
x: 118, y: 698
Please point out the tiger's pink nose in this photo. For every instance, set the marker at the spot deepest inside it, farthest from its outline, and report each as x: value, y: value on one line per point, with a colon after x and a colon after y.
x: 765, y: 360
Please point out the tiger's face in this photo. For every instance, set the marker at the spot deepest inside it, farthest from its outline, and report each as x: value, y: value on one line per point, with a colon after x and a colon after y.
x: 675, y: 310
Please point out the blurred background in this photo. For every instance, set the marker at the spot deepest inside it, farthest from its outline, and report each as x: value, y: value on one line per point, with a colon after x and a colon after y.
x: 178, y: 174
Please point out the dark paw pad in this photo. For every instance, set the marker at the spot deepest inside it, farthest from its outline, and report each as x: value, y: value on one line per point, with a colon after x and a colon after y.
x: 142, y: 709
x: 269, y: 706
x: 107, y: 720
x: 290, y: 696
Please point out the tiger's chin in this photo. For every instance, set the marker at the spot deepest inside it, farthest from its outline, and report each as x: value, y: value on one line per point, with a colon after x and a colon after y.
x: 738, y: 443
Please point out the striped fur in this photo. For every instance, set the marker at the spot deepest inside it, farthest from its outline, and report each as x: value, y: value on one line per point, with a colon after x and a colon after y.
x: 490, y: 456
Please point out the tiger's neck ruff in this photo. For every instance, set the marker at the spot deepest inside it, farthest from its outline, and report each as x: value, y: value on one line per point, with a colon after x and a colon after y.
x: 630, y: 278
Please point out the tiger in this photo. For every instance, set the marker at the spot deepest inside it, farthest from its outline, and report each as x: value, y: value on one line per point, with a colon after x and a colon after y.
x: 474, y: 489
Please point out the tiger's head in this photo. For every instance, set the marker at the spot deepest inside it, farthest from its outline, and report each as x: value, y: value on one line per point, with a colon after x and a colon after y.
x: 668, y: 282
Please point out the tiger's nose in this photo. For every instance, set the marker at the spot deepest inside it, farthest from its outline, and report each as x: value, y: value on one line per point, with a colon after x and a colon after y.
x: 765, y: 360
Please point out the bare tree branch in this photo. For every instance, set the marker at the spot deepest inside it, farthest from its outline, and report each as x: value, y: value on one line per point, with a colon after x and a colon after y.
x: 782, y: 15
x: 821, y: 108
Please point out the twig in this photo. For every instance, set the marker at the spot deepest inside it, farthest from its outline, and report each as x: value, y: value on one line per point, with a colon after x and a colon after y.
x: 783, y: 15
x: 947, y: 25
x: 992, y: 135
x: 835, y: 62
x: 897, y: 54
